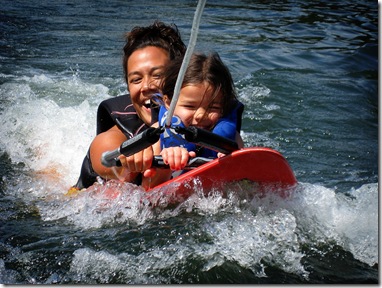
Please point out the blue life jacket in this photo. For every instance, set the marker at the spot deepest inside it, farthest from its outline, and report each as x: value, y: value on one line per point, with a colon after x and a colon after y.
x: 226, y: 127
x: 170, y: 138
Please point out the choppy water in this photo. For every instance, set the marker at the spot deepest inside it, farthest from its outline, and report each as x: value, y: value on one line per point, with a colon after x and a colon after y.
x: 308, y: 75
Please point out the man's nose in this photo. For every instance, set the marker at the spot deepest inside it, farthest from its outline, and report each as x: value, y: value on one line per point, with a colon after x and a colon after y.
x: 150, y: 84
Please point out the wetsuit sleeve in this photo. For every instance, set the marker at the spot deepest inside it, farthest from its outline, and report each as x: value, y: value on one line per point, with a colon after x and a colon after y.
x: 114, y: 111
x: 116, y: 104
x: 121, y: 112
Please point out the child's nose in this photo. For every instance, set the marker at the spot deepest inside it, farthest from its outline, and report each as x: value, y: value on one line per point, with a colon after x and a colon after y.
x: 200, y: 114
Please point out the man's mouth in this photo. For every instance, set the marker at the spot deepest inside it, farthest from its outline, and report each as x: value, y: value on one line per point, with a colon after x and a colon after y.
x: 147, y: 104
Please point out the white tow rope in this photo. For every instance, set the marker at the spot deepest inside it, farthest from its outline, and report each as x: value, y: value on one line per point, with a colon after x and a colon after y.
x: 186, y: 59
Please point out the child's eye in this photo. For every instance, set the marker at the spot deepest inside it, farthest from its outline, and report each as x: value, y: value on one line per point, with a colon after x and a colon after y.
x: 190, y: 107
x: 216, y: 108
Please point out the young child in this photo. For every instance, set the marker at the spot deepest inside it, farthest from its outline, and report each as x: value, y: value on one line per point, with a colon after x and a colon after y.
x: 207, y: 100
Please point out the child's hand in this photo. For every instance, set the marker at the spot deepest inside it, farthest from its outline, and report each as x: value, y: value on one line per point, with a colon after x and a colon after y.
x: 176, y: 157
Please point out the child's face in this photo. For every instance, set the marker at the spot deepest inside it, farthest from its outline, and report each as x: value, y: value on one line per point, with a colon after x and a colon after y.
x: 196, y: 107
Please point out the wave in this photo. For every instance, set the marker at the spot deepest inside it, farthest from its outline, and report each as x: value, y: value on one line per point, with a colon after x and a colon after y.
x: 49, y: 136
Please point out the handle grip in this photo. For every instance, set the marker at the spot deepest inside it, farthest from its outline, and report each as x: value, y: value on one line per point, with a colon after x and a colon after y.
x: 159, y: 163
x: 110, y: 158
x: 192, y: 163
x: 208, y: 139
x: 132, y: 146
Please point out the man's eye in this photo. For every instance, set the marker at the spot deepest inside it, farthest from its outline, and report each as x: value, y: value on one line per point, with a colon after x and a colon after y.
x: 135, y: 80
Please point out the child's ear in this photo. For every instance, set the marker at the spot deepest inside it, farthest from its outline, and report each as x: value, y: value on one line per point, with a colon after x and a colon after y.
x: 166, y: 100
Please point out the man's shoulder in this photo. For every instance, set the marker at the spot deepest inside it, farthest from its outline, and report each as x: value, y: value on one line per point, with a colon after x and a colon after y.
x: 118, y: 103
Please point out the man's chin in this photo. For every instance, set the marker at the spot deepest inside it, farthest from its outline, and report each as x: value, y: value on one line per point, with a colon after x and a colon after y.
x: 146, y: 115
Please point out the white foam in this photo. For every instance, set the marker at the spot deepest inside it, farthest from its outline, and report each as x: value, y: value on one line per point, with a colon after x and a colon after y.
x: 51, y: 136
x: 349, y: 221
x: 100, y: 205
x: 253, y: 231
x: 358, y: 222
x: 42, y: 130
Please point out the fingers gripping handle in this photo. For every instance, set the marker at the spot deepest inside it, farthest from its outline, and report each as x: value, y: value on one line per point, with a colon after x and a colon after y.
x: 131, y: 146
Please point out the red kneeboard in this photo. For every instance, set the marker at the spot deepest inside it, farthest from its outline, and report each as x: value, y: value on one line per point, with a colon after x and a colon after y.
x: 261, y: 165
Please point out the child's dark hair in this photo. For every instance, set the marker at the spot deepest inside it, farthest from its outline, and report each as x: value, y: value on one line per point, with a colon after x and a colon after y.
x: 202, y: 68
x: 159, y: 35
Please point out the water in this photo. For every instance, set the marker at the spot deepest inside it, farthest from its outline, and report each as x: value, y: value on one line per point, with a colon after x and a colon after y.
x: 307, y: 73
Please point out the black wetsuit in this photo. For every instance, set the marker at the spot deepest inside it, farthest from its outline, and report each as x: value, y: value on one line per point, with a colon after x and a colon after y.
x: 114, y: 111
